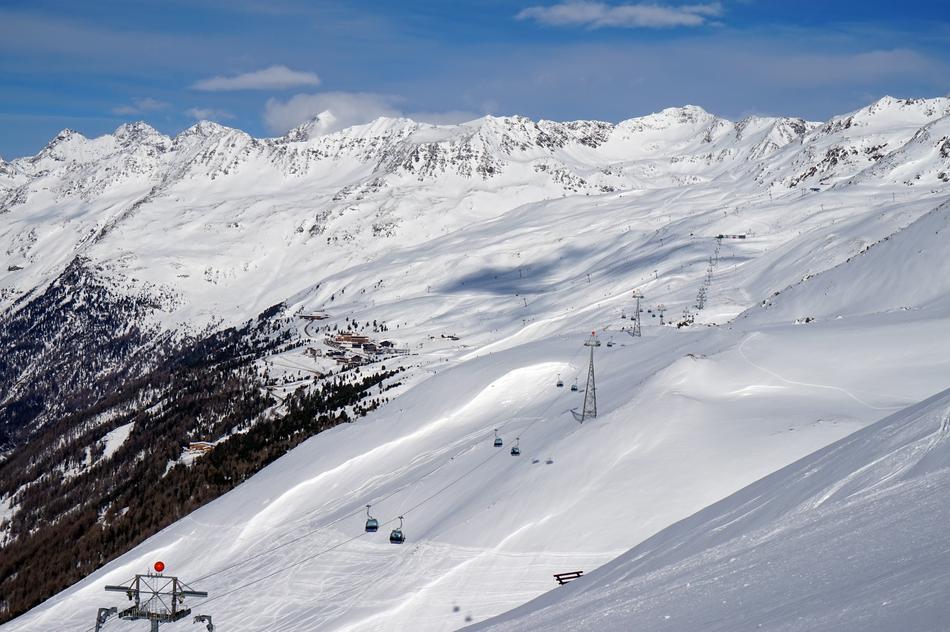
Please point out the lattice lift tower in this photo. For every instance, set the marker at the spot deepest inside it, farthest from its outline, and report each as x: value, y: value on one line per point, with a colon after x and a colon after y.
x: 590, y: 393
x: 637, y: 294
x: 157, y: 599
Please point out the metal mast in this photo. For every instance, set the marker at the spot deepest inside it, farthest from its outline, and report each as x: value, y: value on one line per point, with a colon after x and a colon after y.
x: 156, y: 598
x: 590, y: 393
x: 636, y: 318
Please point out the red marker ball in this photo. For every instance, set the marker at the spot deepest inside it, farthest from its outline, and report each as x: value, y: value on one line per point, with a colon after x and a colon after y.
x: 159, y: 566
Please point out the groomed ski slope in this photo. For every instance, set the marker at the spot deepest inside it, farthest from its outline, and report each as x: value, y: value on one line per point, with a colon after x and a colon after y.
x: 852, y: 537
x: 686, y: 417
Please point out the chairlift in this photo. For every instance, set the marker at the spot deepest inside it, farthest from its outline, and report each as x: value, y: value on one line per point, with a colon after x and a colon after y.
x: 372, y: 524
x: 610, y: 343
x: 549, y: 461
x: 559, y: 382
x: 498, y: 441
x: 574, y: 386
x: 397, y: 537
x: 515, y: 450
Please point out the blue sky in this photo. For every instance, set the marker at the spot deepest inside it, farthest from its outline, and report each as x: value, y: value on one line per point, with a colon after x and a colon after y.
x: 266, y: 65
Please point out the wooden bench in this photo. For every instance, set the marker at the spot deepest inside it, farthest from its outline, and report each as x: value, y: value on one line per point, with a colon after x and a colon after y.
x: 563, y: 578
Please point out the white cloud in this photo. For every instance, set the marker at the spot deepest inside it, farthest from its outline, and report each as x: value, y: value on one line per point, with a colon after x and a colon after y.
x: 642, y: 15
x: 140, y: 106
x: 272, y: 78
x: 208, y: 114
x: 333, y: 111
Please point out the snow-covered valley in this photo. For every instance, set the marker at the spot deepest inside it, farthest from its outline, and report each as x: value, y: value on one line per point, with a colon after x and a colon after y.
x: 491, y: 251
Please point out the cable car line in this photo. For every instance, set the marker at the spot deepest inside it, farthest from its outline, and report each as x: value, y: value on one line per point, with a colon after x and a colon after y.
x: 347, y: 541
x: 398, y: 539
x: 333, y: 522
x: 282, y: 569
x: 352, y: 539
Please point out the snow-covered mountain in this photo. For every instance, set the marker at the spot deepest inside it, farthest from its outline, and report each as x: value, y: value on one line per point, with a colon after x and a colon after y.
x: 140, y: 203
x: 795, y: 266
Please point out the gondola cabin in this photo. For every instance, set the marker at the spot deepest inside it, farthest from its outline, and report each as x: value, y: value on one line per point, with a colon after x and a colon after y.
x: 396, y: 536
x: 372, y: 524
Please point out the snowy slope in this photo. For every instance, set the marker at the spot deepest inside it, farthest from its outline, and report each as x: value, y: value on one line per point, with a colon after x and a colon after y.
x: 518, y: 239
x: 486, y: 530
x: 921, y: 159
x: 852, y: 537
x: 907, y: 270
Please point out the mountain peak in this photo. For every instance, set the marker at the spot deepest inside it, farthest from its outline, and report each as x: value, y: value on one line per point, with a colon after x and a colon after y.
x: 326, y: 124
x: 64, y: 135
x: 386, y: 124
x: 206, y: 128
x: 670, y: 117
x: 135, y: 130
x: 889, y: 111
x: 688, y: 113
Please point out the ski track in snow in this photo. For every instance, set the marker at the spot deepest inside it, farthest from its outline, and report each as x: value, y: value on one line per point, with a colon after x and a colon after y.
x: 741, y: 349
